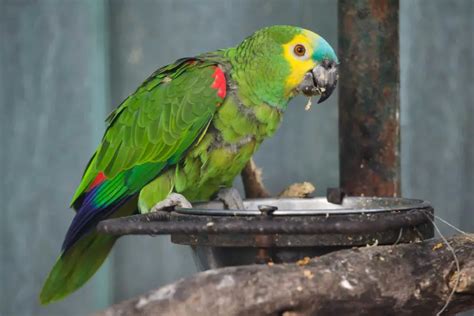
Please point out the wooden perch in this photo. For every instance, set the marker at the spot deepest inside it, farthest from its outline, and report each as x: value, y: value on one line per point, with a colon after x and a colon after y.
x: 252, y: 181
x: 406, y: 279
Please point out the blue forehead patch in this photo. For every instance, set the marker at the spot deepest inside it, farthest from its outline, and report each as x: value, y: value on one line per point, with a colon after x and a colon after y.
x: 324, y: 51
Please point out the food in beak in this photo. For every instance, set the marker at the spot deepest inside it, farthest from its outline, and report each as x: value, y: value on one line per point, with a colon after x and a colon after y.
x: 321, y: 80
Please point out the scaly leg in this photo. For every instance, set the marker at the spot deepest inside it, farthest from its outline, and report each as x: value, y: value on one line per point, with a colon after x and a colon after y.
x: 231, y: 198
x: 173, y: 200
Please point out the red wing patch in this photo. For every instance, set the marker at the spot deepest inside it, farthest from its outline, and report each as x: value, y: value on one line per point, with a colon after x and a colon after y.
x: 98, y: 180
x: 219, y: 83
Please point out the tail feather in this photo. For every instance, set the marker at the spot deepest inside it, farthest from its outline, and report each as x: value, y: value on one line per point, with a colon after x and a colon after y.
x: 87, y: 218
x: 76, y: 266
x: 84, y: 252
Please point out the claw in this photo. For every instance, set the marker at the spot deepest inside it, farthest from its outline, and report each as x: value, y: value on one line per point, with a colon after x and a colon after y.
x: 231, y: 198
x: 173, y: 200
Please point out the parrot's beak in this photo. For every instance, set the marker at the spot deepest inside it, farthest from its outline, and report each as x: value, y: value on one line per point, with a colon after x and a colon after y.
x: 321, y: 80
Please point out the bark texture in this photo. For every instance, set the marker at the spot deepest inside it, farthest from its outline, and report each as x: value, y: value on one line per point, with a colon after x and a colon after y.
x: 407, y: 279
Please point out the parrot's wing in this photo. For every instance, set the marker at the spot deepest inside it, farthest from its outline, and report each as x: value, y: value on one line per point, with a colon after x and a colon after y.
x: 149, y: 131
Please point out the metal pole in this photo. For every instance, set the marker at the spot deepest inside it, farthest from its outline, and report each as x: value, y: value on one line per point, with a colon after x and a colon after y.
x: 369, y: 101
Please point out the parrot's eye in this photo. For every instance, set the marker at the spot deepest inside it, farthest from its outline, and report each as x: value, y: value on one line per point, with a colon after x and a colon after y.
x: 299, y: 50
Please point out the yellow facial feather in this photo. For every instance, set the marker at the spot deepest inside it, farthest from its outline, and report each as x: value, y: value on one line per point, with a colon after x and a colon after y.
x: 299, y: 66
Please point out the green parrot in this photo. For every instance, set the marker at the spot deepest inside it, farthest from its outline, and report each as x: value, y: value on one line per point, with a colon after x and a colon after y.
x: 189, y: 129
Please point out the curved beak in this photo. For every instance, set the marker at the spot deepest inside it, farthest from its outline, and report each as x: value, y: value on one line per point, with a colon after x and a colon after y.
x: 321, y: 80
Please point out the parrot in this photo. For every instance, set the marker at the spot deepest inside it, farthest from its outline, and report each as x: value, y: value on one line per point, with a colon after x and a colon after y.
x: 185, y: 133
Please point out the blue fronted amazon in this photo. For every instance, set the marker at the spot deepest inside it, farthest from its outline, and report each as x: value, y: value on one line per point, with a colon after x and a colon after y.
x: 189, y: 129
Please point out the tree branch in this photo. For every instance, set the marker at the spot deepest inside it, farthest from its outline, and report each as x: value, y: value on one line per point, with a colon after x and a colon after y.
x: 254, y: 187
x: 252, y: 181
x: 405, y: 279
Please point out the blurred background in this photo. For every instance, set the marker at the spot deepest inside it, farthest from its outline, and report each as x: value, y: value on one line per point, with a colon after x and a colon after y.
x: 65, y: 64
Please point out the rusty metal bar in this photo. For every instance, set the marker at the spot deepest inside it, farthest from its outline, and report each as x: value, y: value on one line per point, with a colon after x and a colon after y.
x: 369, y: 101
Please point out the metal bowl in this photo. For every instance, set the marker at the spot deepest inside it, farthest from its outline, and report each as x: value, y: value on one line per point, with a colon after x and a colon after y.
x: 303, y: 227
x: 282, y: 230
x: 309, y: 206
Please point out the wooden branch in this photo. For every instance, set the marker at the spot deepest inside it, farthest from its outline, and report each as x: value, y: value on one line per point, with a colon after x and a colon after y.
x: 406, y: 279
x: 252, y: 180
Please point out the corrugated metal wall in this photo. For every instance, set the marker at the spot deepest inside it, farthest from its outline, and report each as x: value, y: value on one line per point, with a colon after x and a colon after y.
x: 437, y: 100
x: 65, y: 64
x: 53, y: 96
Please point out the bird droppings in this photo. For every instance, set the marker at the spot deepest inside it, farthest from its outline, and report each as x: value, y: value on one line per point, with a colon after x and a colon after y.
x: 210, y: 224
x: 376, y: 243
x: 227, y: 281
x: 347, y: 285
x: 209, y: 272
x: 164, y: 293
x: 303, y: 262
x: 426, y: 283
x: 417, y: 294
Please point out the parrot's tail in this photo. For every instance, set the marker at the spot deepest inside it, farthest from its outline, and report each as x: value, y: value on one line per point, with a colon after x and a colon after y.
x: 76, y: 265
x: 84, y: 249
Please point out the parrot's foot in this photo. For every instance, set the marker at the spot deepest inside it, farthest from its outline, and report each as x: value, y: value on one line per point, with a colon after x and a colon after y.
x: 231, y: 198
x: 173, y: 200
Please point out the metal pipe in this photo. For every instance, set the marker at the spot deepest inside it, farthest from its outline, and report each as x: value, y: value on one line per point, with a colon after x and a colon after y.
x: 369, y: 101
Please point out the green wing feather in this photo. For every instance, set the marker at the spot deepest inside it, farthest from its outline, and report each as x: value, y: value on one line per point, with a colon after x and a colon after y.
x: 153, y: 128
x: 150, y: 130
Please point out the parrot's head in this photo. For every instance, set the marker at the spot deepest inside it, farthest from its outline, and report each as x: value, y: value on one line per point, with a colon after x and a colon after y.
x: 279, y: 62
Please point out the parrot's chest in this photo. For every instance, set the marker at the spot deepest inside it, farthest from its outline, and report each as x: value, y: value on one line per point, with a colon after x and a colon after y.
x: 230, y: 141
